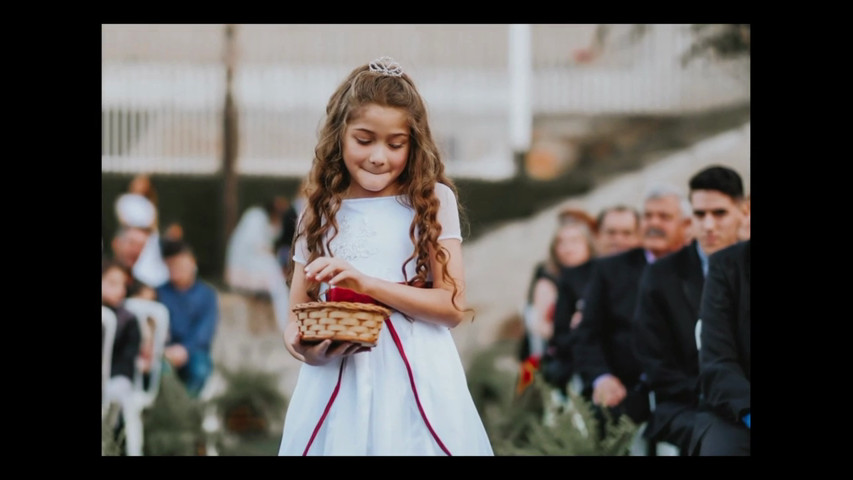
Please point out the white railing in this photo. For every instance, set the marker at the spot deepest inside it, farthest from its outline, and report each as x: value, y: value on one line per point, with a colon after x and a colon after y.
x: 164, y: 115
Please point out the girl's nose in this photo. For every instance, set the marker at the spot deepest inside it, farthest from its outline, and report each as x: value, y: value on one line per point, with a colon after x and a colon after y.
x: 377, y: 156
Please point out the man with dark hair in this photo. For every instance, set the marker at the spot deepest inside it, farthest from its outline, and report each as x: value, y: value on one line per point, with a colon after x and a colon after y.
x: 668, y: 306
x: 193, y: 316
x: 602, y: 351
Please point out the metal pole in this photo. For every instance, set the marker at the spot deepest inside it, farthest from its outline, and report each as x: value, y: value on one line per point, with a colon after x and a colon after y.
x: 520, y: 73
x: 230, y: 136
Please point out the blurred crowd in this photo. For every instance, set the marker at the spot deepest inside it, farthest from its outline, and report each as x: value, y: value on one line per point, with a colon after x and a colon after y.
x: 644, y: 312
x: 150, y: 269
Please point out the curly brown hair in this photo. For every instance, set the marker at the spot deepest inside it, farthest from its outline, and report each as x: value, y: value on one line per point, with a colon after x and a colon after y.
x: 328, y: 180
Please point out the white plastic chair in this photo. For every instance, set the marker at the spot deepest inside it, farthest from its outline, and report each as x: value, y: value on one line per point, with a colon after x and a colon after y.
x: 698, y: 334
x: 108, y: 321
x: 144, y: 396
x: 659, y: 448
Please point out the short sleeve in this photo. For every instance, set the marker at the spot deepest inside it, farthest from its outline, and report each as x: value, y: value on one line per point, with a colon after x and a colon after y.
x: 300, y: 249
x: 448, y: 213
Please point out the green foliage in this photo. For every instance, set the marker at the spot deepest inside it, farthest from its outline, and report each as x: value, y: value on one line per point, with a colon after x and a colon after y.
x: 255, y: 389
x: 712, y: 40
x: 173, y: 423
x: 719, y: 40
x: 539, y: 421
x: 250, y: 411
x: 547, y: 424
x: 492, y: 377
x: 110, y: 439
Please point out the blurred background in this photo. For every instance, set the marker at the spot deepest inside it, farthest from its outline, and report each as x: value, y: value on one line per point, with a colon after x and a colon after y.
x: 529, y: 119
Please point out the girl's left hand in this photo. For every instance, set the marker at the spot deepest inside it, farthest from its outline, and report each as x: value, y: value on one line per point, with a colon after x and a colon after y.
x: 337, y: 272
x: 317, y: 353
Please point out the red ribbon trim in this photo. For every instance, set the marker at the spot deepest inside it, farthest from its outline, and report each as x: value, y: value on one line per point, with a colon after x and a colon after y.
x: 346, y: 295
x: 338, y: 294
x: 328, y: 407
x: 399, y: 344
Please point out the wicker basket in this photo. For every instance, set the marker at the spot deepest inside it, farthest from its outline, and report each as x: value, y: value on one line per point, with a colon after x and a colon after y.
x: 341, y: 321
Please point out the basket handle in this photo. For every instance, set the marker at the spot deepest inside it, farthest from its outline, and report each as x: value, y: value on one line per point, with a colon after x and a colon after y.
x: 323, y: 295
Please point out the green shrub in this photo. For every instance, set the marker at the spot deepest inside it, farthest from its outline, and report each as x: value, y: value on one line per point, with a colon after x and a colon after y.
x: 544, y: 423
x: 111, y: 440
x: 539, y: 421
x: 254, y: 391
x: 173, y: 423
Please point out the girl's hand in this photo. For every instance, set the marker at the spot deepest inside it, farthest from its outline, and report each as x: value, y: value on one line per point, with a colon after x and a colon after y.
x: 327, y: 350
x: 317, y: 353
x: 337, y: 272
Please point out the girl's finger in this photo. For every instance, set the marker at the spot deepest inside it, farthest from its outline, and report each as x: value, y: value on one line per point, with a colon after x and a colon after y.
x: 323, y: 347
x: 315, y: 266
x: 341, y: 276
x: 325, y: 272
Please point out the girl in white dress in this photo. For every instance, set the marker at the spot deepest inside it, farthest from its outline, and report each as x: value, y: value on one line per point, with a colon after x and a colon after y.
x: 381, y: 221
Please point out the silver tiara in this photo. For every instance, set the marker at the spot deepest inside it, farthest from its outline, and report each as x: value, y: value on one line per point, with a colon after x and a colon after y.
x: 386, y: 66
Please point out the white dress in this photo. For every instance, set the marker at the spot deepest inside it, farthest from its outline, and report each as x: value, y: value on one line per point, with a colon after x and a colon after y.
x: 375, y: 411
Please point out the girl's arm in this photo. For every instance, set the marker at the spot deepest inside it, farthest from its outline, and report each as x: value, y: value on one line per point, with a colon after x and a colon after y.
x: 431, y: 304
x: 316, y: 354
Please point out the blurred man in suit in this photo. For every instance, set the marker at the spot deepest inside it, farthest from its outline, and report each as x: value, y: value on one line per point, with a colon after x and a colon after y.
x: 668, y: 306
x: 724, y: 356
x: 618, y: 230
x: 602, y: 352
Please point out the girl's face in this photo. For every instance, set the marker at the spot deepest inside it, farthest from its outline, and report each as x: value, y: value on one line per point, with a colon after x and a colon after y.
x: 572, y: 247
x: 376, y: 149
x: 113, y: 287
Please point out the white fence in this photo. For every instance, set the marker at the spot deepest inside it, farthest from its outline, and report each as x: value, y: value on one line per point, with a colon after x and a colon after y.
x: 164, y: 88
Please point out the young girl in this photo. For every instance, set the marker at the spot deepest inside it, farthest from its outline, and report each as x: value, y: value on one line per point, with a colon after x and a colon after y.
x: 381, y: 225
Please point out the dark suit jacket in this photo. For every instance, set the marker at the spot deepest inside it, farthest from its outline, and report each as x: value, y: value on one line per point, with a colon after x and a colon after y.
x: 724, y: 361
x: 539, y: 271
x: 603, y: 343
x: 557, y: 363
x: 126, y: 343
x: 664, y: 333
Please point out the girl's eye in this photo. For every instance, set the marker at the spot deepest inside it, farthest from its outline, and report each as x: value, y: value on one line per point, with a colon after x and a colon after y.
x: 396, y: 145
x: 362, y: 141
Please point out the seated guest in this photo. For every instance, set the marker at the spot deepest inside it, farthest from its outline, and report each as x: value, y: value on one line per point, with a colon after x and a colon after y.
x: 571, y: 245
x: 126, y: 341
x: 602, y: 351
x: 193, y: 308
x: 668, y: 306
